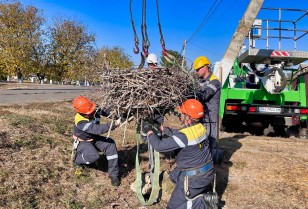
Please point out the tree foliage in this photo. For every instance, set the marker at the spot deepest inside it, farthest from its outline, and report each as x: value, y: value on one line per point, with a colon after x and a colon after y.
x: 177, y: 61
x: 70, y: 46
x: 64, y: 50
x: 20, y: 28
x: 112, y: 58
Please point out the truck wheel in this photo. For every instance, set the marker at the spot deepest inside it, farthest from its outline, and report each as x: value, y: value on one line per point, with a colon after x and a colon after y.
x: 294, y: 131
x: 232, y: 124
x: 258, y: 131
x: 280, y: 131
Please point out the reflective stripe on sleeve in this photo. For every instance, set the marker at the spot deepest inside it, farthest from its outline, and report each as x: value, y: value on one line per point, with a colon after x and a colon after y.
x: 178, y: 141
x: 87, y: 162
x: 212, y: 87
x: 111, y: 157
x: 197, y: 140
x: 86, y: 126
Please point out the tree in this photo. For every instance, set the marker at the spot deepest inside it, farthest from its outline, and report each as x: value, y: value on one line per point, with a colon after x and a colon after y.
x: 70, y: 46
x: 104, y: 58
x: 20, y: 28
x: 112, y: 58
x: 177, y: 61
x: 39, y: 54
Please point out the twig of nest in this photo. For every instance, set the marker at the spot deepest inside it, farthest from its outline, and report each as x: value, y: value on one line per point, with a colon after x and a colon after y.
x: 144, y: 92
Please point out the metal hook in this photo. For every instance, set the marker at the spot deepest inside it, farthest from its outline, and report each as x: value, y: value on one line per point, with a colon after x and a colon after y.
x: 145, y: 51
x: 142, y: 61
x: 136, y: 49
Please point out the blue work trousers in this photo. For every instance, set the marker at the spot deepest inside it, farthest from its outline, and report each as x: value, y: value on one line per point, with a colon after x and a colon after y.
x: 88, y: 153
x: 183, y: 197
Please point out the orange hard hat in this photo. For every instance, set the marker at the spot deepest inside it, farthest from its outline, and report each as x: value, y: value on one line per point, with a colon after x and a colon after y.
x: 83, y: 105
x: 192, y: 108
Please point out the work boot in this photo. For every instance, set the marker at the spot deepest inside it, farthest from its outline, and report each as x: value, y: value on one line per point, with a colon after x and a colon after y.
x: 78, y: 169
x: 114, y: 181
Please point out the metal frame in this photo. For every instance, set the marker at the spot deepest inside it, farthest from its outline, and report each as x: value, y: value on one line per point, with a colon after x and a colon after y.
x: 281, y: 21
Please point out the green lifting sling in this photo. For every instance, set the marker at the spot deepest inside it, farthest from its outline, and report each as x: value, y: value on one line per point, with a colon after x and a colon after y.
x: 154, y: 174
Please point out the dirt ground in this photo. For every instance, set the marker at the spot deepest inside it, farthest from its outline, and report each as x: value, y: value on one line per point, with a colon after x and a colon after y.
x: 36, y: 170
x: 263, y: 172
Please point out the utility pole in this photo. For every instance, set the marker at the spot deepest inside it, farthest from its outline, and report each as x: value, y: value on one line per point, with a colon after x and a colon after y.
x: 236, y: 43
x: 183, y: 54
x: 238, y: 38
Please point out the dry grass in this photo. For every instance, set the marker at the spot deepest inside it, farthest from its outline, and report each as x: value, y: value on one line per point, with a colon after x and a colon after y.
x: 263, y: 172
x: 36, y: 172
x: 16, y: 85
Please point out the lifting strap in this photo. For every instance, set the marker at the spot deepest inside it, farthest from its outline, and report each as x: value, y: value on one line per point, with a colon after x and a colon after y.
x: 155, y: 169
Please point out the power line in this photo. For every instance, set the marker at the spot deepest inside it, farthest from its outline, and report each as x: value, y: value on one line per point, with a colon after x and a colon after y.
x: 231, y: 5
x: 206, y: 49
x: 207, y: 16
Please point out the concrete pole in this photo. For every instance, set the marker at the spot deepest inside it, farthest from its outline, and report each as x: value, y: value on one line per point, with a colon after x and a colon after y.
x: 183, y: 54
x: 238, y: 38
x: 236, y: 43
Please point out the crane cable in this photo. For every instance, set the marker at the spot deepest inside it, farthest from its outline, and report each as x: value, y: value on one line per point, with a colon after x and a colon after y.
x: 145, y: 38
x: 169, y: 57
x: 136, y: 39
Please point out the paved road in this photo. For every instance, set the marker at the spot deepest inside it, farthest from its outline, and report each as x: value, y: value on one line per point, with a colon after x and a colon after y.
x: 42, y: 93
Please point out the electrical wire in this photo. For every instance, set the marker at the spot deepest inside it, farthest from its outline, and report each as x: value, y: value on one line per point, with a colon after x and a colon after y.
x: 207, y: 16
x: 235, y: 3
x: 206, y: 49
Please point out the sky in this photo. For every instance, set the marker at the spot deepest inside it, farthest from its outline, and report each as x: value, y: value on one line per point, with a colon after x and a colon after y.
x: 207, y: 27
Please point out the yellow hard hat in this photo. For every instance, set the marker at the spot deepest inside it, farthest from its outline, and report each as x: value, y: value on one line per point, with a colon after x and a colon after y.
x: 200, y: 62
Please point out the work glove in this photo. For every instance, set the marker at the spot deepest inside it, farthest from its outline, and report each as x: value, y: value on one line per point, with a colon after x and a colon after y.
x: 146, y: 127
x: 159, y: 119
x: 211, y: 199
x: 118, y: 121
x: 104, y: 112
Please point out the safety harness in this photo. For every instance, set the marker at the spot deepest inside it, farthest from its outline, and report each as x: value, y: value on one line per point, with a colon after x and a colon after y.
x: 197, y: 134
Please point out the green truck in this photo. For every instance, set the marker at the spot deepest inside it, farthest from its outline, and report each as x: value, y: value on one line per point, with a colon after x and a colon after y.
x: 266, y: 91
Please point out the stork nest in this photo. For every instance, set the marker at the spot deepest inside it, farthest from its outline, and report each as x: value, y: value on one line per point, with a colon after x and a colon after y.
x: 143, y: 93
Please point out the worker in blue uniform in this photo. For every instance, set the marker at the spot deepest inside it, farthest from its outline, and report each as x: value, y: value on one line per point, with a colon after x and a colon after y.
x: 194, y: 170
x: 209, y: 95
x: 88, y: 138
